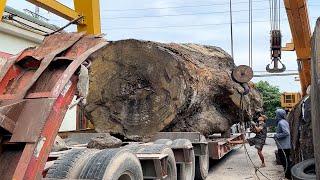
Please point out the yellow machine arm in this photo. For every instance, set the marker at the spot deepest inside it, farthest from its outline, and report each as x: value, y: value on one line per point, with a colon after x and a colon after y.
x: 89, y: 9
x: 298, y: 17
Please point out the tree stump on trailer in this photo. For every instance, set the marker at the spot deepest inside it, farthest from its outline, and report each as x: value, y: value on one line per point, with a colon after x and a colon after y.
x: 138, y: 88
x: 315, y: 94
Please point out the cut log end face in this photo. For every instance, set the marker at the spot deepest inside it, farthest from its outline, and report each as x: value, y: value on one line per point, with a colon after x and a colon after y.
x: 140, y: 88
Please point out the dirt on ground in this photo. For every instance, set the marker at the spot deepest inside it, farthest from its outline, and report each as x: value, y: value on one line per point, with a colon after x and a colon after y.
x: 237, y: 166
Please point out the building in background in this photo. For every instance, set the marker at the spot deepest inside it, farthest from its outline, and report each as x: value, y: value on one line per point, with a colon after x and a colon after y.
x: 19, y: 30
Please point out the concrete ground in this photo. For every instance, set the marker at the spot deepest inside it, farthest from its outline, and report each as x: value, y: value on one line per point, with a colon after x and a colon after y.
x: 236, y: 165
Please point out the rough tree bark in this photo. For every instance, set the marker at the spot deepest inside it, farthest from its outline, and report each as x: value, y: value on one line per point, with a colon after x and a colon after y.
x: 301, y: 131
x: 138, y: 88
x: 315, y: 95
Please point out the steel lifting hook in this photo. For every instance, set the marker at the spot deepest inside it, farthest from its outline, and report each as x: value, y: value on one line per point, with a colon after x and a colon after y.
x: 276, y: 68
x: 275, y: 53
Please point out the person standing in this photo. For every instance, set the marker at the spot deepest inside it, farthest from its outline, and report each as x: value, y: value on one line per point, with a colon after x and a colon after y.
x: 283, y: 141
x: 260, y: 129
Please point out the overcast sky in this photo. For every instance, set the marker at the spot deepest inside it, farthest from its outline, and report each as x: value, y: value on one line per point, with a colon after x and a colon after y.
x: 196, y: 21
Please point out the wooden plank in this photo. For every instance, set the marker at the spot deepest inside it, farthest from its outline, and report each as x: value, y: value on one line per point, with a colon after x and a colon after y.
x: 315, y: 94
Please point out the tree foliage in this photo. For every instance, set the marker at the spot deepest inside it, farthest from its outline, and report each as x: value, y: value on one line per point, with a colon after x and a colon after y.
x: 271, y: 97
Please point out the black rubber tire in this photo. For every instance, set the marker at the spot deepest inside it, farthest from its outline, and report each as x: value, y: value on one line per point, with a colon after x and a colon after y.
x: 167, y: 142
x: 69, y: 165
x: 113, y: 164
x: 298, y: 171
x: 186, y: 171
x: 202, y: 163
x: 134, y: 148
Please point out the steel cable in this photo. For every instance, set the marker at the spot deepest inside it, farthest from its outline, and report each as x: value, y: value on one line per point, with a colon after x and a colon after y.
x: 257, y: 169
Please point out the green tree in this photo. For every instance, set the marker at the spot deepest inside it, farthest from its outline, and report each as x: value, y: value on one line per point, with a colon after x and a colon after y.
x: 271, y: 97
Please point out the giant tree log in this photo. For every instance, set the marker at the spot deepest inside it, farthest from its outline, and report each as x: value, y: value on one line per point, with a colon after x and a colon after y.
x: 301, y: 131
x: 138, y: 88
x: 315, y: 94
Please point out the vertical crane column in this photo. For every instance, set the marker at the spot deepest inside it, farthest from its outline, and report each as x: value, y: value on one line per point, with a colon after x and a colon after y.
x: 2, y: 7
x: 297, y: 13
x: 90, y: 10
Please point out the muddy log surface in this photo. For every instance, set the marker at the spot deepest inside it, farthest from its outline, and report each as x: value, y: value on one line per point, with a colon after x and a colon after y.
x: 138, y: 88
x: 301, y: 131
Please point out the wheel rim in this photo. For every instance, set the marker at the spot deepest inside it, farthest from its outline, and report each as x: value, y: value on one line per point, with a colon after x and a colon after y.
x: 311, y: 170
x: 126, y: 176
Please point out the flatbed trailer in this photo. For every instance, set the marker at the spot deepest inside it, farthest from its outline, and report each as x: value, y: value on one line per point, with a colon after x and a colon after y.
x: 36, y: 89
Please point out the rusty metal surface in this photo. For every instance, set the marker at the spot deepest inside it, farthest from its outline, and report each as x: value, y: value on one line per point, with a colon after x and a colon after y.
x: 9, y: 113
x: 7, y: 79
x: 183, y: 155
x: 7, y: 123
x: 82, y: 46
x: 5, y: 66
x: 46, y: 82
x: 8, y: 161
x: 49, y: 132
x: 60, y: 44
x: 12, y: 108
x: 28, y: 109
x: 55, y: 44
x: 218, y: 147
x: 32, y: 119
x: 74, y: 66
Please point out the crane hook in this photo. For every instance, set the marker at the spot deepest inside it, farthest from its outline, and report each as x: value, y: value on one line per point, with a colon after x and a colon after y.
x: 276, y: 68
x: 275, y: 46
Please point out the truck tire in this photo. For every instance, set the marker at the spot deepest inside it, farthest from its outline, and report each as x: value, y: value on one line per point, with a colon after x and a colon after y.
x: 202, y: 163
x: 134, y: 148
x: 304, y: 170
x: 113, y: 164
x: 185, y: 171
x: 167, y: 142
x: 163, y: 149
x: 69, y: 165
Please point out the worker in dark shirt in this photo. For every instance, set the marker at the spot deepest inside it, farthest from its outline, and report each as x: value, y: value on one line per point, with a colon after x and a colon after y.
x: 260, y: 129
